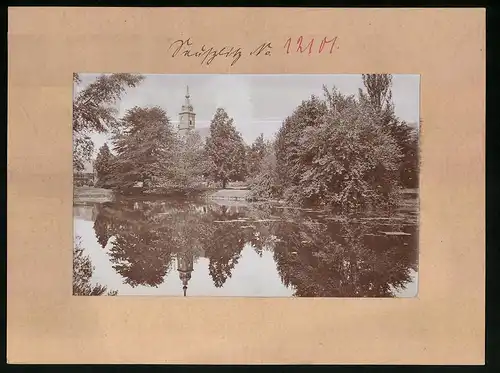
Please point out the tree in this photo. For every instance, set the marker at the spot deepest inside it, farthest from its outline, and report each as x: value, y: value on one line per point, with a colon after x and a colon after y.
x: 190, y: 160
x: 145, y: 147
x: 265, y: 184
x: 409, y: 167
x: 225, y: 150
x: 255, y: 155
x: 354, y: 162
x: 291, y: 162
x: 379, y: 96
x: 333, y: 152
x: 94, y: 111
x: 103, y: 165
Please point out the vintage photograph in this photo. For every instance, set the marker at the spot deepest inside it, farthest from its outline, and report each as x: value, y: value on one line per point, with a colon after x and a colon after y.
x: 246, y: 185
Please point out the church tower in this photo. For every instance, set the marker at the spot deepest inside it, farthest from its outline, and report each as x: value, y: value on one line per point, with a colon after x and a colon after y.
x: 185, y: 261
x: 187, y: 115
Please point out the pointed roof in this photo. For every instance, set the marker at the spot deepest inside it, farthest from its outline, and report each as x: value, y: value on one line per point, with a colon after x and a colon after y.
x: 187, y: 107
x: 185, y: 277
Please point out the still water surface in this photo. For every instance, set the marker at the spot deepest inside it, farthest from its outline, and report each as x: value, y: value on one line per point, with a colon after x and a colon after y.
x: 196, y: 248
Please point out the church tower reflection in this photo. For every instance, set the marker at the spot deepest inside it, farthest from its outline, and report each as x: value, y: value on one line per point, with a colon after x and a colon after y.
x: 185, y: 267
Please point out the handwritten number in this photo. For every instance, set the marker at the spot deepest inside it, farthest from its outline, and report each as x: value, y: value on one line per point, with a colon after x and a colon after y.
x: 326, y: 41
x: 322, y: 45
x: 301, y: 49
x: 299, y: 44
x: 309, y: 47
x: 287, y: 45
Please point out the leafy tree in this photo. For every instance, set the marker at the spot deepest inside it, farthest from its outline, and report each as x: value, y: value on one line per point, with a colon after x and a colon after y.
x: 145, y: 145
x: 333, y: 152
x: 255, y: 155
x: 190, y: 161
x: 290, y: 161
x: 94, y: 111
x: 225, y: 150
x: 354, y: 162
x: 266, y: 183
x: 409, y: 169
x: 379, y: 96
x: 103, y: 166
x: 82, y: 274
x: 83, y: 149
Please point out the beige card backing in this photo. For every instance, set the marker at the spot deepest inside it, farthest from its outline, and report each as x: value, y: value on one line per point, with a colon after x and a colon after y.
x: 443, y: 325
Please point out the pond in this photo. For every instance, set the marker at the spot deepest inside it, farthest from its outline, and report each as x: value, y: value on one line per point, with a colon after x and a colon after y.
x: 168, y: 247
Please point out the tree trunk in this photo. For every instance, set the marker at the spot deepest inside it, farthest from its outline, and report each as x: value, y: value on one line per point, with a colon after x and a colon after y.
x: 224, y: 182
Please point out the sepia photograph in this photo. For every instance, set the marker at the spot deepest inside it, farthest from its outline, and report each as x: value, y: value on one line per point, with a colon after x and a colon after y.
x: 227, y: 185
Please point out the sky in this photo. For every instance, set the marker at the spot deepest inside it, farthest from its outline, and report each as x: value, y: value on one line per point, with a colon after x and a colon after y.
x: 257, y: 103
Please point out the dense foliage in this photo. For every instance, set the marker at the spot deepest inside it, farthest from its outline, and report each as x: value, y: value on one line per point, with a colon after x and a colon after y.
x: 265, y: 183
x: 151, y: 157
x: 343, y: 152
x: 102, y: 166
x: 145, y: 145
x: 190, y: 161
x: 336, y: 151
x: 255, y: 155
x: 94, y: 111
x: 225, y: 150
x: 379, y: 96
x: 332, y: 152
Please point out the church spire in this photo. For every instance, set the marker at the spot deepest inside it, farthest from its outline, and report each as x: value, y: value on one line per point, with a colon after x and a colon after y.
x: 187, y: 115
x: 187, y: 103
x: 185, y: 268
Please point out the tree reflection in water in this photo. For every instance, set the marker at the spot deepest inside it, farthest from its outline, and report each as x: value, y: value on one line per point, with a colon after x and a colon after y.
x: 142, y: 248
x: 223, y: 243
x: 82, y: 274
x: 343, y: 260
x: 316, y: 256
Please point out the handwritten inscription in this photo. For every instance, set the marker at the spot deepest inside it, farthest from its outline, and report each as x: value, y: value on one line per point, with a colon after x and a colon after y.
x: 265, y: 49
x: 301, y: 45
x: 207, y: 54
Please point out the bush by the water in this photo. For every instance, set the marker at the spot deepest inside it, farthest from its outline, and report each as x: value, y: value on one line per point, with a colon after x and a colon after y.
x: 337, y: 151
